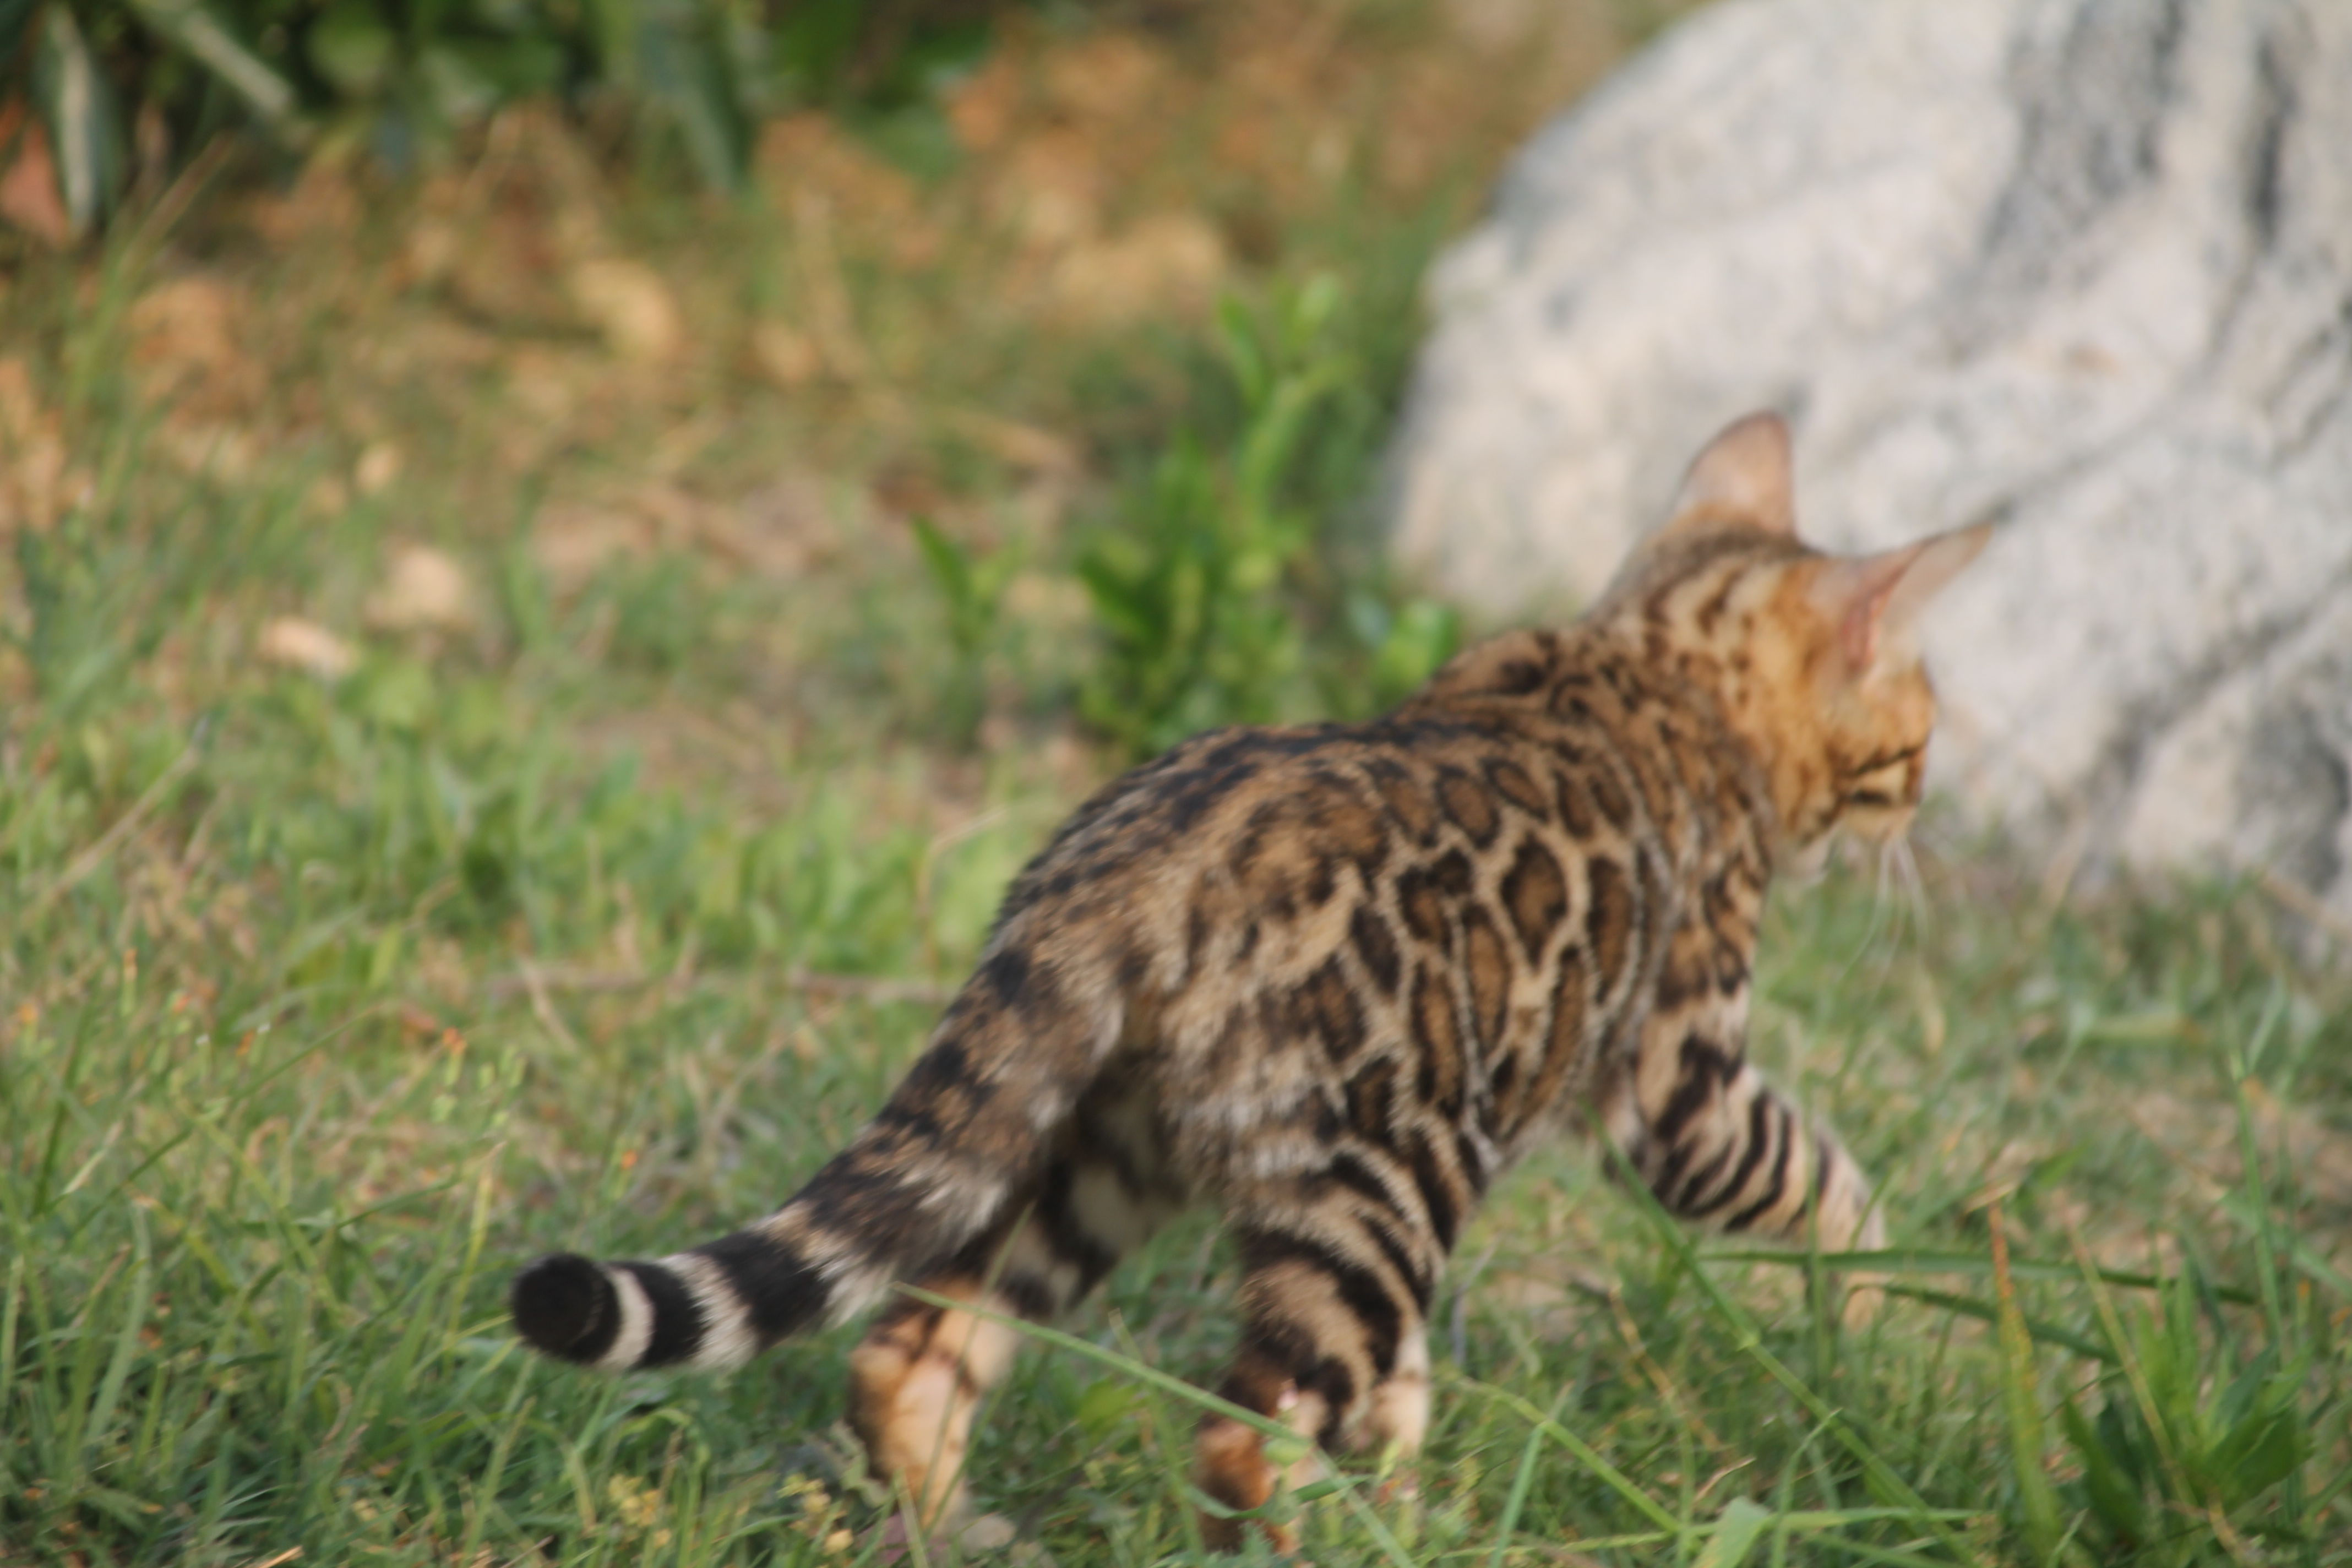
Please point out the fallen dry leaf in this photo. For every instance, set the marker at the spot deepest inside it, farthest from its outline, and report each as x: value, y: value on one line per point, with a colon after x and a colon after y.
x: 322, y: 203
x: 787, y: 355
x: 1051, y: 189
x: 297, y: 643
x: 570, y: 539
x: 327, y: 497
x: 1166, y: 264
x: 1105, y: 76
x: 628, y: 303
x: 226, y: 452
x: 422, y: 588
x: 28, y: 185
x: 429, y: 254
x: 379, y: 465
x: 1022, y: 445
x: 38, y: 482
x: 190, y: 344
x: 190, y: 320
x: 808, y: 153
x: 989, y: 1533
x: 781, y: 529
x: 982, y: 107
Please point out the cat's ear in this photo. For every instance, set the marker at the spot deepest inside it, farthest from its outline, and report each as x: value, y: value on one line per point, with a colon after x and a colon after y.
x: 1743, y: 477
x: 1871, y: 599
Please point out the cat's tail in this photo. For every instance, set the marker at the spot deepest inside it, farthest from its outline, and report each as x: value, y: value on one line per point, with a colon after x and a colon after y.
x: 961, y: 1142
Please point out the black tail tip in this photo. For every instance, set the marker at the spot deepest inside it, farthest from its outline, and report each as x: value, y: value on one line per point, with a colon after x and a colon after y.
x: 564, y: 1305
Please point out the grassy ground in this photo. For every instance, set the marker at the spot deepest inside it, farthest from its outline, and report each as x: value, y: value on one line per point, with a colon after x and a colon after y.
x: 488, y: 763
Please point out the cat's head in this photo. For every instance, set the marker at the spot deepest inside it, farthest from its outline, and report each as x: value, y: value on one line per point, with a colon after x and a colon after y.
x: 1814, y: 656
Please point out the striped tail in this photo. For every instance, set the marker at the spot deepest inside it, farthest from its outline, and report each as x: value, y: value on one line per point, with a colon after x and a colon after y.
x: 716, y: 1306
x: 961, y: 1144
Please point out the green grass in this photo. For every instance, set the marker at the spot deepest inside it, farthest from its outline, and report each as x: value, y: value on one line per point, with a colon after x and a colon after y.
x: 601, y: 921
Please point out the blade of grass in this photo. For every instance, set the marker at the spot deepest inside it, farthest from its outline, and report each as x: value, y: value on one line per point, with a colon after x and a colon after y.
x: 2027, y: 1440
x: 2239, y: 1065
x: 2044, y: 1331
x: 1523, y: 1479
x: 1909, y: 1260
x: 11, y: 1312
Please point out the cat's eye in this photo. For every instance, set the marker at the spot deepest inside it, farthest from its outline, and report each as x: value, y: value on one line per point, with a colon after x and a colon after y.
x: 1884, y: 781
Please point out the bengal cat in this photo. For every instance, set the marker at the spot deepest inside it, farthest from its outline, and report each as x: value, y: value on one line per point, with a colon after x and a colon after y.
x: 1335, y: 979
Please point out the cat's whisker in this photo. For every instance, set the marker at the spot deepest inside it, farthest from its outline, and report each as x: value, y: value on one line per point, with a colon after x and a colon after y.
x: 1863, y: 949
x: 1903, y: 929
x: 1890, y: 883
x: 1907, y: 868
x: 1890, y: 923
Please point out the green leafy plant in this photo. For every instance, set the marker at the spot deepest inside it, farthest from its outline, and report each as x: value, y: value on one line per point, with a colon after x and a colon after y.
x: 971, y: 589
x: 1204, y: 604
x: 2191, y: 1438
x: 2200, y: 1436
x: 1401, y: 643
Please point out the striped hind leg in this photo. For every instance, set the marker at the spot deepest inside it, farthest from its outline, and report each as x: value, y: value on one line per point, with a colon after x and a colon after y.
x: 918, y: 1377
x: 1721, y: 1147
x: 1333, y: 1348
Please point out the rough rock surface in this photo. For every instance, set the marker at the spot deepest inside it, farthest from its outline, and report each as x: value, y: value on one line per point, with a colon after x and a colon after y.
x: 2084, y: 266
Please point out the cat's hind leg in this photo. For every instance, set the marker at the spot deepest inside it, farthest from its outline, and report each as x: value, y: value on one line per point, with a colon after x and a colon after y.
x: 1333, y: 1345
x: 918, y: 1377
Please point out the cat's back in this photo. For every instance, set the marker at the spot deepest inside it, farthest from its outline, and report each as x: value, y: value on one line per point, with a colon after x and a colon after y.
x: 1536, y: 799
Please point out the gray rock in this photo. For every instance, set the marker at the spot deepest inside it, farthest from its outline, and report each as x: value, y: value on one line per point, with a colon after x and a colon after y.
x: 2084, y: 266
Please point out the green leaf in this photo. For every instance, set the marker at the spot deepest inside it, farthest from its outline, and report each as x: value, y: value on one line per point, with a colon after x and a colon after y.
x: 2113, y: 1491
x: 84, y: 120
x: 950, y: 568
x: 1105, y: 1406
x: 514, y: 67
x: 1735, y: 1533
x: 456, y: 89
x: 194, y: 27
x: 1127, y: 612
x: 685, y: 71
x: 917, y: 136
x: 2262, y: 1437
x: 1246, y: 355
x: 1423, y: 635
x: 351, y: 47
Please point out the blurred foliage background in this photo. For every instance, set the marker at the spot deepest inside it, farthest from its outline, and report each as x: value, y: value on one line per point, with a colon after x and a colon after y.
x: 114, y: 84
x: 1147, y: 266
